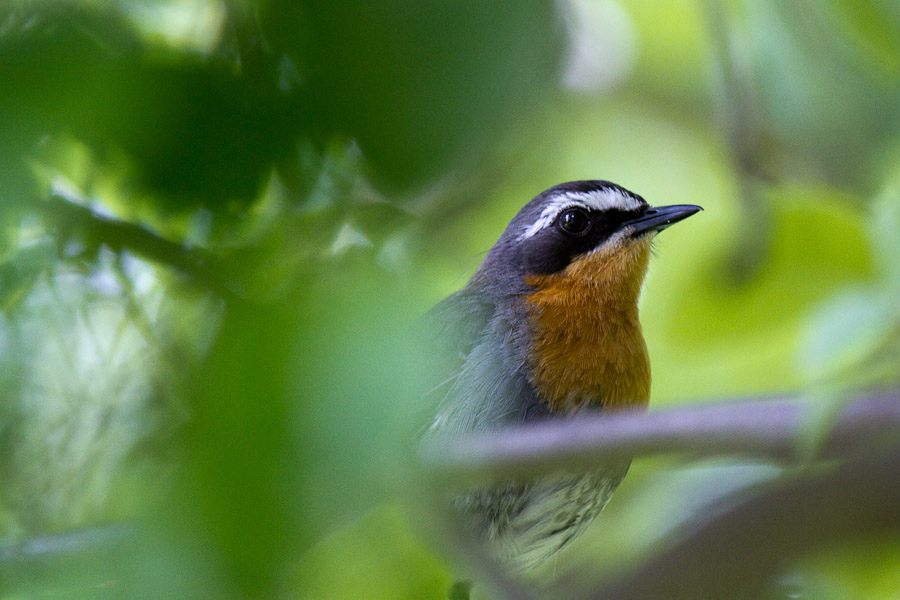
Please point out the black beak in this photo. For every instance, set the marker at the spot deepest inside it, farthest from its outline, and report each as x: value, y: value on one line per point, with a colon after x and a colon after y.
x: 657, y: 218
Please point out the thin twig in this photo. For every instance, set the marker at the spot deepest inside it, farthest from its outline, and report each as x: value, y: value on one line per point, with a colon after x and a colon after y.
x: 769, y: 428
x: 744, y: 130
x: 30, y: 562
x: 67, y: 543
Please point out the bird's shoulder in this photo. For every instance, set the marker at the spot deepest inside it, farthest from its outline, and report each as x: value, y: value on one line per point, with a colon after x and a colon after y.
x: 456, y: 323
x: 479, y: 357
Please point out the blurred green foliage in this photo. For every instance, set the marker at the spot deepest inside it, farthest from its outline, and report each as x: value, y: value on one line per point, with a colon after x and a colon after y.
x: 236, y: 373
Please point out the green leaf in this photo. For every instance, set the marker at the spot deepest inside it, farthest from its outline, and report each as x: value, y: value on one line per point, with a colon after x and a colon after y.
x: 846, y: 330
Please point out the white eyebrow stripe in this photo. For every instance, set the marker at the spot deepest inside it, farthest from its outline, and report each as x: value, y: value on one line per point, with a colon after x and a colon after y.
x: 596, y: 200
x: 605, y: 199
x: 548, y: 216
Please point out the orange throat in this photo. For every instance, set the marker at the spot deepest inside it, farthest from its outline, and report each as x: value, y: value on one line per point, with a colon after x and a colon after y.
x: 587, y: 347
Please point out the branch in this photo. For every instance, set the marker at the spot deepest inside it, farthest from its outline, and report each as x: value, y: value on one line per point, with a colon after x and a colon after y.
x: 199, y: 265
x: 736, y: 553
x: 770, y: 428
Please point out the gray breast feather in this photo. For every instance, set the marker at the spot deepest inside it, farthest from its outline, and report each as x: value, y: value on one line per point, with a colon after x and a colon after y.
x: 525, y: 523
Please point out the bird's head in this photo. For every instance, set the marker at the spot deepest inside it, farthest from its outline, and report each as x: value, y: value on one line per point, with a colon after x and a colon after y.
x: 592, y: 232
x: 574, y: 258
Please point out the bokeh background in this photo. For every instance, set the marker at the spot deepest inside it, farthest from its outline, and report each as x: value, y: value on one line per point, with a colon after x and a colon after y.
x: 219, y: 221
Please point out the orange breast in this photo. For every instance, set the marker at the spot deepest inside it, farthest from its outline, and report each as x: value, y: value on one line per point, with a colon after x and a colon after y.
x: 587, y: 346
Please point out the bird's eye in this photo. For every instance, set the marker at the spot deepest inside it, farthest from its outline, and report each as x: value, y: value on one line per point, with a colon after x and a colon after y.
x: 574, y: 221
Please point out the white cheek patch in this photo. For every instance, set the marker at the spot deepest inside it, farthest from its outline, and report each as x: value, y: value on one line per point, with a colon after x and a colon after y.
x: 597, y: 200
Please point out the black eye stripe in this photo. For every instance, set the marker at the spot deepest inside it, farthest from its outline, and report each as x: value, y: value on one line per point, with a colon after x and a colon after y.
x: 614, y: 217
x: 607, y: 220
x: 555, y: 248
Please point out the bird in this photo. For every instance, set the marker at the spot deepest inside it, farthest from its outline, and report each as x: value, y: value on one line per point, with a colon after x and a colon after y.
x: 547, y: 327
